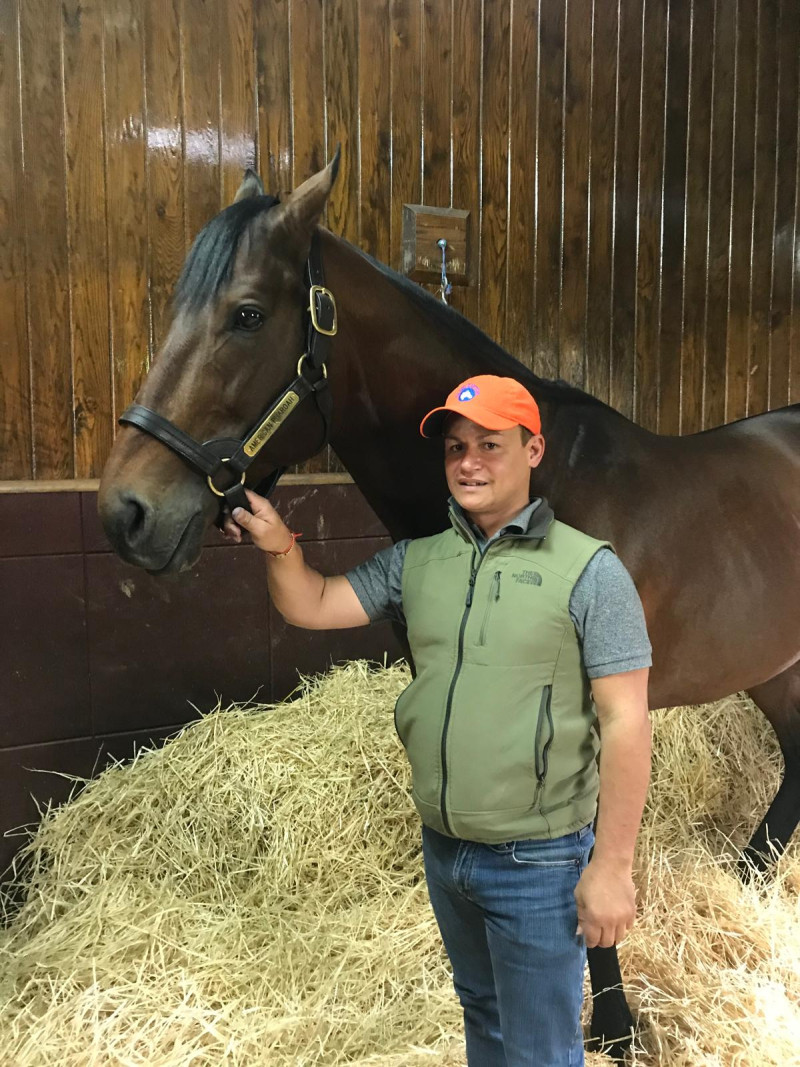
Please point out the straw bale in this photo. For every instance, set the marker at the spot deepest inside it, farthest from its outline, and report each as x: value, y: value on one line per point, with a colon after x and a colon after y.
x: 252, y: 893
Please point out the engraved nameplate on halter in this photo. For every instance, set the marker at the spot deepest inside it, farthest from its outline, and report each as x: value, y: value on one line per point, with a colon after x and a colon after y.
x: 270, y: 424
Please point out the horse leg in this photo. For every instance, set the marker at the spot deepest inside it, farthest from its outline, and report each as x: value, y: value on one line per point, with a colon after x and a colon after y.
x: 612, y: 1023
x: 779, y: 699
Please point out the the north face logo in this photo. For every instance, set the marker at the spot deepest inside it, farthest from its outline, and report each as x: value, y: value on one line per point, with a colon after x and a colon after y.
x: 528, y: 577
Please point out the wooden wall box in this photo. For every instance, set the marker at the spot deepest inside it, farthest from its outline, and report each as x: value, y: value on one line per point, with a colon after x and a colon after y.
x: 423, y: 226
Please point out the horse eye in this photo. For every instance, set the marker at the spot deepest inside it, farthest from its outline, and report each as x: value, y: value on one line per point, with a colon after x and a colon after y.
x: 248, y: 318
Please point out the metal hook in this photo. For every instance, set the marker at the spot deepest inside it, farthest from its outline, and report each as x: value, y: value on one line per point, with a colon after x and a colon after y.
x: 445, y: 288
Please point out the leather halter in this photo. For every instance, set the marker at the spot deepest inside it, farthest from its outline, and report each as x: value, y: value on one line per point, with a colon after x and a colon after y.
x: 227, y: 458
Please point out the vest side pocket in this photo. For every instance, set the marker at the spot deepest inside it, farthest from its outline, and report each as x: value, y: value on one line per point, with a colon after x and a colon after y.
x: 544, y: 724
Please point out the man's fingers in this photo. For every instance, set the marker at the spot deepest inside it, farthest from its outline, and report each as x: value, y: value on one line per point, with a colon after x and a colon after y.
x: 260, y: 506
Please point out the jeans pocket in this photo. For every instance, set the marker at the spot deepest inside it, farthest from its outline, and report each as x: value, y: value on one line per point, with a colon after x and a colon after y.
x: 564, y: 851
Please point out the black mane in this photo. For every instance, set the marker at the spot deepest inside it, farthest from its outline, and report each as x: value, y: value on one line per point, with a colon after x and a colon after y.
x: 455, y: 326
x: 210, y: 261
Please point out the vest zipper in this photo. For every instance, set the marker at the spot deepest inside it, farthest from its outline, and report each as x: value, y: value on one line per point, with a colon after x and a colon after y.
x: 449, y: 706
x: 545, y: 712
x: 494, y: 596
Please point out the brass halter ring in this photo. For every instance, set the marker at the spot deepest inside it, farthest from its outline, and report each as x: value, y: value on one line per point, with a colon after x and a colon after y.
x: 300, y: 366
x: 214, y: 489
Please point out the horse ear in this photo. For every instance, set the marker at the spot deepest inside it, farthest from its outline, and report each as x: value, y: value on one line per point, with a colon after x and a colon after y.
x: 300, y: 212
x: 251, y: 186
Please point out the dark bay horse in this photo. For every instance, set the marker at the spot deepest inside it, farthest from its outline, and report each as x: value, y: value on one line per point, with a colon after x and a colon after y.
x: 708, y: 524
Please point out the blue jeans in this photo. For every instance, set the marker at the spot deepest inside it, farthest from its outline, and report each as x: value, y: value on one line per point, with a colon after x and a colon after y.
x: 508, y: 916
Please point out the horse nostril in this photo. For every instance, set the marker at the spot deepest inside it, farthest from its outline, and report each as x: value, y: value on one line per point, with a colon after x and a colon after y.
x: 135, y: 519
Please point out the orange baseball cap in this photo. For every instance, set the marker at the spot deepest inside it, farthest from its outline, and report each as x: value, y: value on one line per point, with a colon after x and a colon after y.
x: 490, y: 401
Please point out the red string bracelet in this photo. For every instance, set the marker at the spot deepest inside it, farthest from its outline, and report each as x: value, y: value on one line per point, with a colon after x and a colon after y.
x: 286, y: 551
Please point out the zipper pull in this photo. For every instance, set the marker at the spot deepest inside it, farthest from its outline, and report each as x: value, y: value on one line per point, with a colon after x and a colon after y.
x: 471, y: 589
x: 497, y: 586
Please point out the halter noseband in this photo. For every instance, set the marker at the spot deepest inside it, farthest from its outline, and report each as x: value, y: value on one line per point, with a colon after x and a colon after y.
x: 229, y: 456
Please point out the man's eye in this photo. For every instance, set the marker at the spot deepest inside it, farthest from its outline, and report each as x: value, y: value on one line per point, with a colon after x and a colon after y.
x: 491, y: 444
x: 248, y: 318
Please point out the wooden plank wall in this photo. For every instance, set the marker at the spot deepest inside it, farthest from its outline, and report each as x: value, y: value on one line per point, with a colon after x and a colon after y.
x: 631, y: 170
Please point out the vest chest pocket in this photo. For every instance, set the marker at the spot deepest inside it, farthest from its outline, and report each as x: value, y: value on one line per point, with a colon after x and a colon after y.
x: 494, y: 596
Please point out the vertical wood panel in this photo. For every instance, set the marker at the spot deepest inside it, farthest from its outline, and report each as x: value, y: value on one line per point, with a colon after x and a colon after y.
x: 238, y: 120
x: 46, y: 240
x: 520, y: 326
x: 783, y: 249
x: 696, y: 248
x: 165, y: 147
x: 719, y: 207
x: 603, y: 145
x: 623, y: 328
x: 742, y: 210
x: 85, y: 142
x: 375, y: 192
x: 308, y: 89
x: 466, y: 105
x: 494, y: 202
x: 436, y: 97
x: 406, y: 117
x: 630, y: 169
x: 549, y: 150
x: 763, y: 208
x: 651, y: 164
x: 677, y: 117
x: 341, y: 39
x: 577, y: 118
x: 273, y: 81
x: 201, y: 62
x: 16, y: 458
x: 126, y: 189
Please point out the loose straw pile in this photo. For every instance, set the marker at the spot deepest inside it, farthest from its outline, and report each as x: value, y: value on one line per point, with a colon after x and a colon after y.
x: 252, y: 894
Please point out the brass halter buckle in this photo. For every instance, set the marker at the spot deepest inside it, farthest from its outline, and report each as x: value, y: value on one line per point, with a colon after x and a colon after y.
x: 219, y: 492
x: 320, y: 300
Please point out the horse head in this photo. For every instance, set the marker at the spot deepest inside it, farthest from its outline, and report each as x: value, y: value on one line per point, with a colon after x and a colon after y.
x: 235, y: 343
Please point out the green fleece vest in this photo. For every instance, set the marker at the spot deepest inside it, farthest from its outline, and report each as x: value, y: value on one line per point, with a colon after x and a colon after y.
x: 499, y: 724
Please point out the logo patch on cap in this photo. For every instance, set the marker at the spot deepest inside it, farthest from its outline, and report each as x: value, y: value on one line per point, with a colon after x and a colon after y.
x: 469, y: 392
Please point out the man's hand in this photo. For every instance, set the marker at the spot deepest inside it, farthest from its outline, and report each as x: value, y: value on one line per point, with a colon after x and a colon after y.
x: 606, y: 904
x: 267, y: 529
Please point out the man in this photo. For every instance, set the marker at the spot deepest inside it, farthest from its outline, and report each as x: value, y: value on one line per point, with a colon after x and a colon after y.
x: 528, y: 639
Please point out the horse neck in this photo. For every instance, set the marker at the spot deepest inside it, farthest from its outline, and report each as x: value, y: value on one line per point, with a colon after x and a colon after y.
x: 395, y: 359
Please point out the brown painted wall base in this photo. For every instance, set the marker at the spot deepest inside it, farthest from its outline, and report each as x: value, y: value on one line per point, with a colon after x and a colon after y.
x: 98, y: 657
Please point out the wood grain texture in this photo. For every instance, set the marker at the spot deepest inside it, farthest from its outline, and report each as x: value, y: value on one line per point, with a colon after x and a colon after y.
x: 466, y: 132
x: 603, y: 147
x: 494, y: 200
x: 165, y: 153
x: 46, y: 237
x: 741, y: 233
x: 650, y: 214
x: 405, y: 69
x: 126, y: 200
x: 520, y: 326
x: 201, y: 113
x: 575, y: 239
x: 375, y: 107
x: 719, y: 213
x: 784, y: 235
x: 273, y: 79
x: 630, y: 168
x: 87, y: 234
x: 16, y: 445
x: 237, y: 93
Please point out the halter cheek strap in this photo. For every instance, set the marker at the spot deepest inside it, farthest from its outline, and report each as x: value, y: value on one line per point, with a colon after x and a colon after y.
x: 226, y: 459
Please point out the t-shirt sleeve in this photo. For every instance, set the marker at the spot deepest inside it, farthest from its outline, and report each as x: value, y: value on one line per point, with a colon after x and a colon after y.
x: 378, y: 583
x: 609, y: 618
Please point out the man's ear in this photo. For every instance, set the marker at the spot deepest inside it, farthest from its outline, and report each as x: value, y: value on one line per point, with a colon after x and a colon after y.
x: 296, y: 218
x: 251, y: 186
x: 535, y: 450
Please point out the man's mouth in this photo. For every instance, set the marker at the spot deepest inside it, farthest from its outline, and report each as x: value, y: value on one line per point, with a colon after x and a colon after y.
x: 471, y: 484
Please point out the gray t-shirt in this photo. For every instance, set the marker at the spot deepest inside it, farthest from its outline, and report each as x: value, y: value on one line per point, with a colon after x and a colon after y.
x: 604, y: 605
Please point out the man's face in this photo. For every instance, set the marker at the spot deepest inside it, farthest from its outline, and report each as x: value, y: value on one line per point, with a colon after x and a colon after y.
x: 488, y: 471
